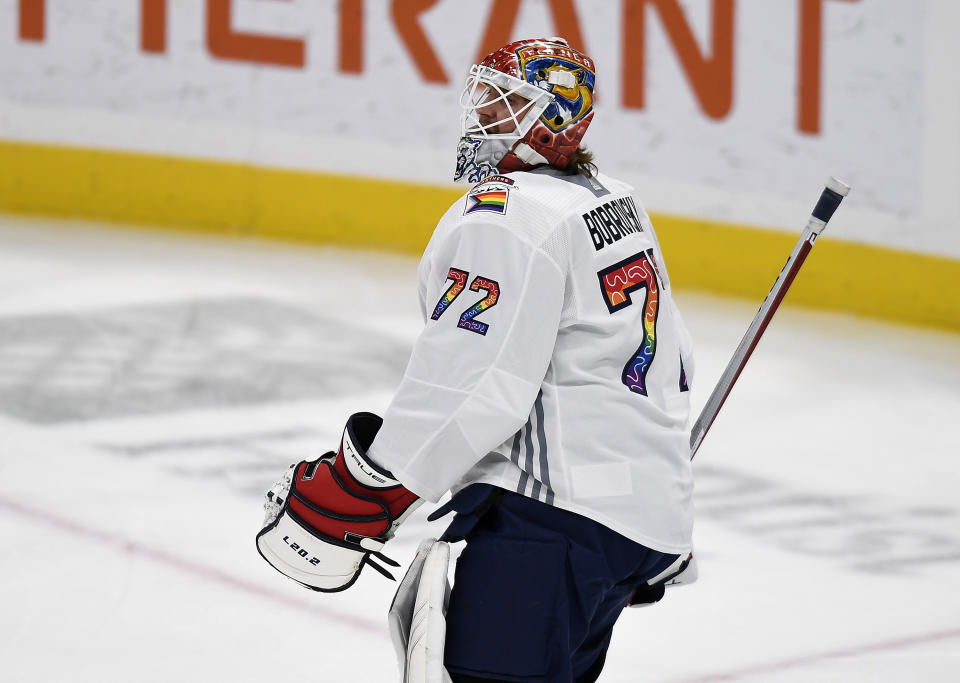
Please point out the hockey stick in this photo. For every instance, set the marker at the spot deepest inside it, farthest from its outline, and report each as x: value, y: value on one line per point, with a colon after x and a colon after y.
x: 830, y: 199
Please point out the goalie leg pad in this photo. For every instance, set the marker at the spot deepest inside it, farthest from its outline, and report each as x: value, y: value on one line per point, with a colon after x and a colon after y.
x: 417, y: 615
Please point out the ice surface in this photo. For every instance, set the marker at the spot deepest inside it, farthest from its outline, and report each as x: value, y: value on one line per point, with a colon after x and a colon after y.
x: 152, y: 385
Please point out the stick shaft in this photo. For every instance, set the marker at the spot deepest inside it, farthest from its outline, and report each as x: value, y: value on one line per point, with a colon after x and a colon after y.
x: 828, y: 203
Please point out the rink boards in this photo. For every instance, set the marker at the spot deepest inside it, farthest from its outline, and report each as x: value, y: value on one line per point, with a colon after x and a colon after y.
x: 242, y: 200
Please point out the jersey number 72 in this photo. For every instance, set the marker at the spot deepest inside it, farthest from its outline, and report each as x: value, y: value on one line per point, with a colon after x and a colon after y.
x: 468, y: 320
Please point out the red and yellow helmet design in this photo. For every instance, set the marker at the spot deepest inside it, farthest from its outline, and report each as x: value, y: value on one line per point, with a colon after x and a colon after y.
x: 542, y: 91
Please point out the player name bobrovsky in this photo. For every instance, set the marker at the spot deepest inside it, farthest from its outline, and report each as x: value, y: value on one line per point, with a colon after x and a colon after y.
x: 610, y: 222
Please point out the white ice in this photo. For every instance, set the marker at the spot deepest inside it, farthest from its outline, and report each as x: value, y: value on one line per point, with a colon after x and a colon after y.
x: 133, y: 450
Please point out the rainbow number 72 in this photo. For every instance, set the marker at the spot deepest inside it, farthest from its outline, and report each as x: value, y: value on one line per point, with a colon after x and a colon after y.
x: 468, y: 319
x: 617, y: 283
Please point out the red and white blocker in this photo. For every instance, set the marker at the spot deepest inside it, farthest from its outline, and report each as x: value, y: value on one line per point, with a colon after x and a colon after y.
x: 327, y: 518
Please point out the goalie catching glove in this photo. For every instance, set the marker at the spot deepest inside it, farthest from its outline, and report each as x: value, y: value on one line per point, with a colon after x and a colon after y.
x: 328, y: 518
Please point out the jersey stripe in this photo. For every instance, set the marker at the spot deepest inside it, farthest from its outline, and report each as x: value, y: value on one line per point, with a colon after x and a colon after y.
x: 537, y: 476
x: 515, y: 457
x: 533, y: 455
x: 528, y: 459
x: 542, y: 439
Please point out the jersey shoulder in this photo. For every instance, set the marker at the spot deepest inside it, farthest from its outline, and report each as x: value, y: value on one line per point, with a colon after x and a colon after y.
x: 531, y: 205
x: 551, y: 193
x: 519, y: 203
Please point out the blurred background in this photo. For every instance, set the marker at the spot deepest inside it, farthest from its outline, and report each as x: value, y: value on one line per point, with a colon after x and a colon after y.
x: 210, y: 217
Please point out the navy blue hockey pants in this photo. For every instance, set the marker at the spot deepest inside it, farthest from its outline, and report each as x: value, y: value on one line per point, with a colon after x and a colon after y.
x: 537, y: 589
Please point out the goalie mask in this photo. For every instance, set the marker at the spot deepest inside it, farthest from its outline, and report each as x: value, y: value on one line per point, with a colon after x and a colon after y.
x: 528, y: 103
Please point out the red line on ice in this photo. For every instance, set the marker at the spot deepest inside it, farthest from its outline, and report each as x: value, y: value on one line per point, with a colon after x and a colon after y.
x: 808, y: 660
x: 190, y: 567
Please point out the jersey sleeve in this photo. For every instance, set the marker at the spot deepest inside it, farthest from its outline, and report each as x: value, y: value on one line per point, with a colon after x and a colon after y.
x: 493, y: 305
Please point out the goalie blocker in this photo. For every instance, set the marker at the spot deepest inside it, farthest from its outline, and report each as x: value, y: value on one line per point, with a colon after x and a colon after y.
x: 328, y: 518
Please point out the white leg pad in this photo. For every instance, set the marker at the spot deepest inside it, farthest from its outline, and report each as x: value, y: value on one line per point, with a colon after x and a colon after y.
x: 417, y: 615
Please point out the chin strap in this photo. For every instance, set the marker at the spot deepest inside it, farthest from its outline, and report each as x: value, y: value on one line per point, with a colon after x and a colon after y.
x: 529, y: 155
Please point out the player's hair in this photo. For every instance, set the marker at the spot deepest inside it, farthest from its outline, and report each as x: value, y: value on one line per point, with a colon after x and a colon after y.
x: 581, y: 161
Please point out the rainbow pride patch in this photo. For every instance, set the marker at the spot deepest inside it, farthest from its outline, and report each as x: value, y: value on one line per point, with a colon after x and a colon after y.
x: 492, y: 199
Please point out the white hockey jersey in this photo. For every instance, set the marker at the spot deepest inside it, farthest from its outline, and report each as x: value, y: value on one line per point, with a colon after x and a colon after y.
x: 553, y: 361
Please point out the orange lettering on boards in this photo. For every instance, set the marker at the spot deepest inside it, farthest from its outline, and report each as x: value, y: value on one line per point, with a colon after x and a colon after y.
x: 153, y: 25
x: 405, y: 15
x: 351, y: 36
x: 32, y: 19
x: 225, y: 43
x: 709, y: 68
x: 503, y: 18
x: 809, y: 67
x: 711, y: 77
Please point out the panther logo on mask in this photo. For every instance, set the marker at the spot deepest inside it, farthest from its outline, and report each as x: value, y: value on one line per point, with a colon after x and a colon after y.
x: 569, y: 77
